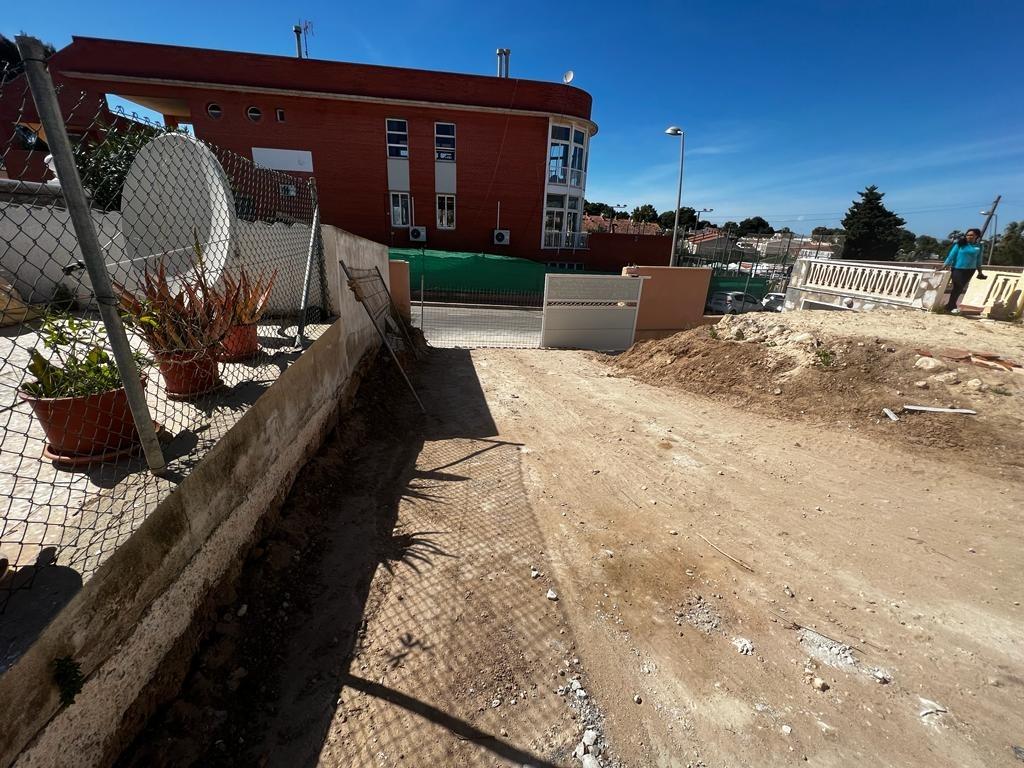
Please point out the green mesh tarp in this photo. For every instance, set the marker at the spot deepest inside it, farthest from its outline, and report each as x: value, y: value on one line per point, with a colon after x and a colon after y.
x: 444, y: 270
x: 453, y: 270
x: 755, y: 286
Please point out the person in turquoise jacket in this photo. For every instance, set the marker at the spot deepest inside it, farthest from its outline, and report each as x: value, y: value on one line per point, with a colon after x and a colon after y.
x: 964, y: 258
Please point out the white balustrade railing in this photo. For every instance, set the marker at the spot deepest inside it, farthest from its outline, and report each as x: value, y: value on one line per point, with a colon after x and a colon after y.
x: 863, y: 284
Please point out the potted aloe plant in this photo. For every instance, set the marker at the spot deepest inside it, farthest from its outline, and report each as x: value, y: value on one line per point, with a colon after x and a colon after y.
x: 252, y: 296
x: 184, y: 319
x: 77, y: 394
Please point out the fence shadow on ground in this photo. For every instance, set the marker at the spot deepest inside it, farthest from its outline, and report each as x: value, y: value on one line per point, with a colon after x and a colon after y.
x: 265, y: 687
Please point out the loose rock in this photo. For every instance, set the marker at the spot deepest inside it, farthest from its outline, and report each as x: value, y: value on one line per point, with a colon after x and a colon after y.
x: 930, y: 364
x: 552, y: 595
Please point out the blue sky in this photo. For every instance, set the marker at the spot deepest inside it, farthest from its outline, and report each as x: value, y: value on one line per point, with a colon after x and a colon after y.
x: 790, y: 107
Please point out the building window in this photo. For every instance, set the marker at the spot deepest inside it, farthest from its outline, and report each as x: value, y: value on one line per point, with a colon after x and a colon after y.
x: 400, y: 209
x: 214, y: 111
x: 446, y: 211
x: 578, y: 164
x: 444, y: 142
x: 398, y: 138
x: 254, y: 113
x: 280, y: 114
x: 562, y: 222
x: 558, y: 156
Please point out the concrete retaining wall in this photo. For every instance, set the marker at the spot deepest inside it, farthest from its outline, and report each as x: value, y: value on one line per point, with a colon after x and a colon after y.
x: 141, y: 605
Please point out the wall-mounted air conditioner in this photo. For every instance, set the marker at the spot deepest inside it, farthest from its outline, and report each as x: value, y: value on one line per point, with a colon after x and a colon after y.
x: 501, y: 236
x: 418, y: 234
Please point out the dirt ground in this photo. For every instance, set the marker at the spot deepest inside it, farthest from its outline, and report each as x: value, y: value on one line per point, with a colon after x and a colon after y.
x: 737, y: 583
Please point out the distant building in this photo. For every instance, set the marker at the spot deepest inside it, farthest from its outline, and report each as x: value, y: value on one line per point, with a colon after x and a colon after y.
x: 594, y: 223
x: 708, y: 242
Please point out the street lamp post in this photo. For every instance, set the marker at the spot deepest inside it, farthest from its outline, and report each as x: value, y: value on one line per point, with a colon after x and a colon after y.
x: 673, y: 130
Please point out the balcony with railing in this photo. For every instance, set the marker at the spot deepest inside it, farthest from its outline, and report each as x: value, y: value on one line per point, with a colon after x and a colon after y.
x: 572, y: 240
x: 573, y: 177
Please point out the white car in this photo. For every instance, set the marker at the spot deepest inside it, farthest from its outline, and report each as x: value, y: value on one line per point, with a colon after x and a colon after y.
x: 773, y: 302
x: 732, y: 303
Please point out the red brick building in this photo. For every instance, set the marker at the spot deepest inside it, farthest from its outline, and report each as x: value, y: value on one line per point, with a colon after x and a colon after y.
x: 475, y: 163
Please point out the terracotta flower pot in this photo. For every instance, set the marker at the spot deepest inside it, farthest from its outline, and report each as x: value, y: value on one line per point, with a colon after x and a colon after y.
x: 241, y: 343
x: 91, y: 425
x: 188, y: 374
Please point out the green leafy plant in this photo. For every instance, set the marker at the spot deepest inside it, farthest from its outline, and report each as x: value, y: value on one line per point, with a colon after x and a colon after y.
x: 104, y: 157
x: 78, y: 364
x: 252, y: 295
x: 67, y: 674
x: 713, y: 332
x: 186, y: 313
x: 826, y: 357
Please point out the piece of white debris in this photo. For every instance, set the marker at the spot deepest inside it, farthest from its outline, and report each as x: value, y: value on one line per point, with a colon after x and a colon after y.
x: 882, y: 676
x: 590, y: 737
x: 743, y: 645
x: 552, y: 595
x: 496, y: 703
x: 819, y: 685
x: 243, y: 610
x: 788, y: 591
x: 534, y: 573
x: 673, y: 532
x: 787, y: 730
x: 637, y: 699
x: 929, y: 707
x: 581, y: 694
x: 589, y: 761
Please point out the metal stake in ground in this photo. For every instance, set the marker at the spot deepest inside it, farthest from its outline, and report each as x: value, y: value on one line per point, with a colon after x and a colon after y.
x: 45, y: 97
x: 314, y: 232
x: 380, y: 332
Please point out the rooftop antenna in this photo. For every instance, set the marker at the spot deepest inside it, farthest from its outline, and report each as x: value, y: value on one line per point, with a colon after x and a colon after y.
x: 568, y: 76
x: 307, y: 30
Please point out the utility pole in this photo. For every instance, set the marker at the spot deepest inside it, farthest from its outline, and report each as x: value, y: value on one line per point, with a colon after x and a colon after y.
x: 989, y: 215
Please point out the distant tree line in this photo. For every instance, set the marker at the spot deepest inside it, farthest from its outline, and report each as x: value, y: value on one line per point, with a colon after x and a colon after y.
x: 870, y: 231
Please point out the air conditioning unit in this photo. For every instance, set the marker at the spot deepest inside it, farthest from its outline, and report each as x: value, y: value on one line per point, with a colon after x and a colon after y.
x: 418, y: 234
x: 501, y: 236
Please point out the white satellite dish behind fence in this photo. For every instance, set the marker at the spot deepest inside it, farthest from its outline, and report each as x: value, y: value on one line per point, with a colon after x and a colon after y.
x: 175, y: 193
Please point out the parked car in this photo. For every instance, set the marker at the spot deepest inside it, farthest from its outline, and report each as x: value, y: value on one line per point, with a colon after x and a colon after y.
x: 732, y: 303
x: 773, y: 302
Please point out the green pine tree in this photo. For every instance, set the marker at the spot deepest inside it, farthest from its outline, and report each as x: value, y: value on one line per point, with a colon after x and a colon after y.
x: 872, y: 230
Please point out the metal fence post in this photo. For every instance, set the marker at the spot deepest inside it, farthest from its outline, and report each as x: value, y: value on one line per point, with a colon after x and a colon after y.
x: 45, y: 98
x: 314, y: 232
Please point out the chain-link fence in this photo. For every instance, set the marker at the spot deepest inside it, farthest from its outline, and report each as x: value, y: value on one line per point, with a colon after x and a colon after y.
x: 765, y: 257
x: 183, y: 268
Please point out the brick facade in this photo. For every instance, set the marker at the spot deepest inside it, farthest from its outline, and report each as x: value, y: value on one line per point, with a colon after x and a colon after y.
x: 337, y: 111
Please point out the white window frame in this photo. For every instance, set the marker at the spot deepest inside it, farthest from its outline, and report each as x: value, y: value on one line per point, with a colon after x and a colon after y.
x: 441, y: 212
x: 396, y: 145
x: 404, y: 210
x: 438, y: 150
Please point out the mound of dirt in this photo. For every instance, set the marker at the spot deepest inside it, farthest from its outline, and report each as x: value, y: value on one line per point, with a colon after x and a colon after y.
x: 844, y: 376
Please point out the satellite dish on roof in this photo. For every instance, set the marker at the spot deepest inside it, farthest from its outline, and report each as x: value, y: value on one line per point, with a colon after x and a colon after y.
x: 568, y: 76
